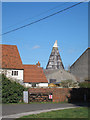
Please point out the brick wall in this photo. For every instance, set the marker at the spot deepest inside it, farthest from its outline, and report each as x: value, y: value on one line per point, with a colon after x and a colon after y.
x: 59, y: 94
x: 64, y: 94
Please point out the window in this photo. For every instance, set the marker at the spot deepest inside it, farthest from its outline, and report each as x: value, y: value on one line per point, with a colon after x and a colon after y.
x: 33, y: 84
x: 52, y: 80
x: 14, y: 73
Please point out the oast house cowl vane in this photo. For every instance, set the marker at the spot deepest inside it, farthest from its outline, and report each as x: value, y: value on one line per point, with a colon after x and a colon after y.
x: 55, y: 61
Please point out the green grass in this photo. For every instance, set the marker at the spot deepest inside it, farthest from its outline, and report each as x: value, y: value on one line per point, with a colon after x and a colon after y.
x: 80, y: 112
x: 47, y: 102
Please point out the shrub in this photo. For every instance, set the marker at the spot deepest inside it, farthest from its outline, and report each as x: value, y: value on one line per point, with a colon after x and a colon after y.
x: 84, y: 85
x: 68, y: 83
x: 12, y: 92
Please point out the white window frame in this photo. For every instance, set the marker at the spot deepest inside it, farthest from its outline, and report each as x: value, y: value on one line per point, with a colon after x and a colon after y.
x: 14, y: 73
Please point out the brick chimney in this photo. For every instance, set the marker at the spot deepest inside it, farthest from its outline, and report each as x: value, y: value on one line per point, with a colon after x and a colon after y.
x: 38, y: 64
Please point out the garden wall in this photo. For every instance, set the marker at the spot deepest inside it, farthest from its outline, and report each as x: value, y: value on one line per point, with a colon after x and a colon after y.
x: 59, y: 94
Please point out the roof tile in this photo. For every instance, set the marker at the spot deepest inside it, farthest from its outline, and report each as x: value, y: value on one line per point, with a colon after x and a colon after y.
x: 33, y: 73
x: 9, y: 57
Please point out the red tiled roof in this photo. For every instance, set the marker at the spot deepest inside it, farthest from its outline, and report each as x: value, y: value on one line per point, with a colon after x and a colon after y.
x: 10, y: 57
x: 33, y: 73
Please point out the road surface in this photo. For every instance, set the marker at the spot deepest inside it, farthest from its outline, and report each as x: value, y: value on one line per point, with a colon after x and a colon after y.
x: 10, y: 109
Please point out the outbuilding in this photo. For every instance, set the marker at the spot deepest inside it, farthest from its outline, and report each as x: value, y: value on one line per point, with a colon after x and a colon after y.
x: 81, y: 66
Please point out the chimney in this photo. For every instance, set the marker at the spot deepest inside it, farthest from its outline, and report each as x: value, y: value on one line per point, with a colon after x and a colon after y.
x: 38, y: 64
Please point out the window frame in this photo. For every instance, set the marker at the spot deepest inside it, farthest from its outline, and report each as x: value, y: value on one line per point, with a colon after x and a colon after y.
x: 14, y: 73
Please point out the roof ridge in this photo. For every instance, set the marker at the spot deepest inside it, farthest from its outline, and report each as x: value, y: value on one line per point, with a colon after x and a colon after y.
x: 8, y: 45
x: 30, y: 64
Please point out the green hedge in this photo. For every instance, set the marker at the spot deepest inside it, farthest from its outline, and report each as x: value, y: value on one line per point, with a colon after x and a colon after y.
x: 12, y: 92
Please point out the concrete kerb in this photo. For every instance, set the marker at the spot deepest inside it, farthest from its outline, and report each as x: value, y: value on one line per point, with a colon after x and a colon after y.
x: 35, y: 112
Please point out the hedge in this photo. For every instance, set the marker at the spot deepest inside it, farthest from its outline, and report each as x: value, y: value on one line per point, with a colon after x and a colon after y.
x: 12, y: 92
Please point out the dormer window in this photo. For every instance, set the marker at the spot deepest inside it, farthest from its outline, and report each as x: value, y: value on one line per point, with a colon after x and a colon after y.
x: 14, y: 73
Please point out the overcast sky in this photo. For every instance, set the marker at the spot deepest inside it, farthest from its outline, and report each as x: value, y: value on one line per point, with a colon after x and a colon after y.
x: 35, y: 42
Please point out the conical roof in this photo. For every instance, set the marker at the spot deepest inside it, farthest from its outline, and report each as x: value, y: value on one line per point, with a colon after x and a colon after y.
x: 55, y: 61
x: 55, y: 44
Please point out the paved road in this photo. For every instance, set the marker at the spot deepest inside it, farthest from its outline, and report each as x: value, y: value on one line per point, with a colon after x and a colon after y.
x: 10, y: 109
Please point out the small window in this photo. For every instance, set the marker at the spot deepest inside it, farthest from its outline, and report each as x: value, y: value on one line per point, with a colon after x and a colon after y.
x: 52, y: 80
x: 33, y: 84
x: 14, y: 73
x: 17, y: 72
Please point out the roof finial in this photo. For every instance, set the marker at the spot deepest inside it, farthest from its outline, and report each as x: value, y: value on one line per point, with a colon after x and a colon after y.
x: 55, y: 44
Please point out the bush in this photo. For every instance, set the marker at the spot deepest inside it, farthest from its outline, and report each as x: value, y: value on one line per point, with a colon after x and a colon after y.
x: 12, y: 92
x: 68, y: 83
x: 84, y: 85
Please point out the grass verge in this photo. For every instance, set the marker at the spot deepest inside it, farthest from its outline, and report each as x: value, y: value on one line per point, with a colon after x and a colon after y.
x: 80, y: 112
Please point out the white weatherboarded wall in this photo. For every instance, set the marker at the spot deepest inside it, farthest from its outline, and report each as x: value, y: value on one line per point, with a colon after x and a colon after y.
x: 28, y: 85
x: 8, y: 73
x: 37, y: 85
x: 42, y: 85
